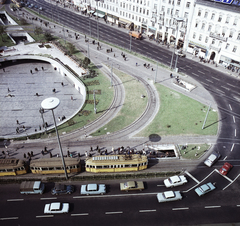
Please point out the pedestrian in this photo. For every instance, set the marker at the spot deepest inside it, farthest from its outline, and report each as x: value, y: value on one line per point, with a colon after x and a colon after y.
x: 114, y: 55
x: 24, y: 128
x: 45, y: 149
x: 7, y: 153
x: 152, y: 68
x: 17, y: 130
x: 31, y: 71
x: 54, y: 90
x: 40, y: 127
x: 111, y: 49
x: 42, y: 152
x: 43, y: 68
x: 59, y: 119
x: 62, y: 83
x: 68, y: 153
x: 17, y: 122
x: 79, y: 155
x: 97, y: 148
x: 31, y: 153
x: 171, y: 75
x: 125, y: 58
x: 86, y: 153
x: 24, y: 155
x: 71, y: 98
x: 136, y: 64
x: 3, y: 69
x: 113, y: 149
x: 9, y: 90
x: 91, y: 149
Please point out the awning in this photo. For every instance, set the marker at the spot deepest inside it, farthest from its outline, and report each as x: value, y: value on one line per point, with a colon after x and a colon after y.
x: 91, y: 11
x: 99, y: 15
x: 149, y: 33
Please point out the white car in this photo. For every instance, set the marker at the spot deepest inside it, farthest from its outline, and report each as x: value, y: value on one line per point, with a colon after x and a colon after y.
x: 175, y: 181
x: 93, y: 189
x: 212, y: 159
x: 204, y: 189
x: 168, y: 196
x: 56, y: 207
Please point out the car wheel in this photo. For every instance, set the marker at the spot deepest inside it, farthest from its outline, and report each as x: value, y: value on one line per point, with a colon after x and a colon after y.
x: 87, y: 193
x: 69, y: 193
x: 101, y: 193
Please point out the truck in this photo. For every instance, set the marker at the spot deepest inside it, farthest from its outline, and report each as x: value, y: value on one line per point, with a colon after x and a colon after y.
x: 132, y: 185
x: 135, y: 34
x: 32, y: 187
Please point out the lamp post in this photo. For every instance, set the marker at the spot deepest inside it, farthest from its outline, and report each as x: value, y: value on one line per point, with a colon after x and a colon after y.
x: 177, y: 20
x: 50, y: 104
x: 97, y: 21
x: 41, y: 111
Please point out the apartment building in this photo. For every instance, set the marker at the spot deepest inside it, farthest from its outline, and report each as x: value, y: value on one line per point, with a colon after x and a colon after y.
x: 206, y: 28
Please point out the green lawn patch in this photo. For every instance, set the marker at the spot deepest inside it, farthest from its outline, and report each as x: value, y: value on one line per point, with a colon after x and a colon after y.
x: 133, y: 106
x: 180, y: 115
x: 193, y: 151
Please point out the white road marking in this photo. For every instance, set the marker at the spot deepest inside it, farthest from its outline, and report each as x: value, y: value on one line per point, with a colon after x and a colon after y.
x: 220, y: 91
x: 224, y: 176
x: 230, y: 107
x: 225, y: 87
x: 79, y: 214
x: 209, y: 207
x: 48, y: 198
x: 209, y: 80
x: 238, y: 205
x: 235, y: 132
x: 231, y: 85
x: 184, y: 208
x: 14, y: 200
x: 195, y: 74
x: 42, y: 216
x: 9, y: 218
x: 160, y: 185
x: 232, y: 147
x: 145, y: 211
x: 201, y: 72
x: 225, y: 158
x: 190, y: 175
x: 233, y: 118
x: 231, y: 182
x: 216, y: 78
x: 119, y: 195
x: 114, y: 212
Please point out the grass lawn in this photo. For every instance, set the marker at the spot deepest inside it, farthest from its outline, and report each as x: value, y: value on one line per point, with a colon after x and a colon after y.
x: 194, y: 151
x: 180, y: 115
x: 133, y: 106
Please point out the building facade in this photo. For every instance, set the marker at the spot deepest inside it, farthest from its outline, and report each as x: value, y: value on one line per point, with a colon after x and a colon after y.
x: 209, y: 29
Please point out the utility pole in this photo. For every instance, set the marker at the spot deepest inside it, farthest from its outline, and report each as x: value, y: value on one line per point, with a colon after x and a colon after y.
x: 130, y: 43
x: 156, y: 74
x: 95, y: 109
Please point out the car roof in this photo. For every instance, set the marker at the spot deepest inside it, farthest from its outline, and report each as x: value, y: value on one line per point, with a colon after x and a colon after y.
x: 55, y: 205
x: 131, y: 183
x: 92, y: 187
x: 59, y: 186
x: 175, y: 178
x: 169, y: 194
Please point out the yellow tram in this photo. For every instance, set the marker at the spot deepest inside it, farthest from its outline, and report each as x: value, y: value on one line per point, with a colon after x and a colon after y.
x: 12, y: 167
x: 54, y: 165
x: 116, y: 163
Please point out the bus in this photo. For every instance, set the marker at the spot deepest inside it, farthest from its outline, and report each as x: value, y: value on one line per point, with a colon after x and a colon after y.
x: 12, y: 167
x: 54, y: 165
x: 116, y: 163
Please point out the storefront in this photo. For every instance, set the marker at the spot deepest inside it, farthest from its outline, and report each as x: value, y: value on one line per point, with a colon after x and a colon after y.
x: 124, y: 23
x: 99, y: 14
x: 151, y: 32
x: 197, y: 49
x: 143, y: 28
x: 112, y: 19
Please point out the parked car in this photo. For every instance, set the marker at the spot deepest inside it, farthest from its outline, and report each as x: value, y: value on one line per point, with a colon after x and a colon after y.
x: 131, y: 186
x: 212, y: 159
x: 204, y: 189
x: 93, y: 189
x: 56, y: 207
x: 169, y: 196
x: 175, y: 181
x: 61, y: 189
x: 225, y: 168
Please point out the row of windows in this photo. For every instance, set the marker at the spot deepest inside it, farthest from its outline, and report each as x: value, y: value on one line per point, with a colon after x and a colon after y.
x: 12, y: 170
x: 116, y: 166
x: 54, y: 168
x: 227, y: 46
x: 219, y: 18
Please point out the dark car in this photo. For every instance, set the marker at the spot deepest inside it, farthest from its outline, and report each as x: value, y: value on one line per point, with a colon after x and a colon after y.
x: 61, y: 189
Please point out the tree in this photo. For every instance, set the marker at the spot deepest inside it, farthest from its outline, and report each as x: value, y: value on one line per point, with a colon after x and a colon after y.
x: 23, y: 21
x: 71, y: 48
x: 86, y: 62
x: 2, y: 31
x: 38, y: 31
x: 48, y: 36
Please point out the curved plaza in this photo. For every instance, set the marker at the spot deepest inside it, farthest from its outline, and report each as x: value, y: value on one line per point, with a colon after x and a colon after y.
x: 25, y: 83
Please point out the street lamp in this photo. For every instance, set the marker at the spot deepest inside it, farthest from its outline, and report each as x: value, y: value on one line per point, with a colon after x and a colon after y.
x: 50, y: 104
x: 41, y: 111
x: 97, y: 21
x: 177, y: 20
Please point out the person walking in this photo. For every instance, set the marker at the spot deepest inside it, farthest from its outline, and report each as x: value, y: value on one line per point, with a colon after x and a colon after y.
x: 24, y: 155
x: 9, y: 90
x: 17, y: 122
x: 3, y: 69
x: 136, y: 64
x: 71, y: 98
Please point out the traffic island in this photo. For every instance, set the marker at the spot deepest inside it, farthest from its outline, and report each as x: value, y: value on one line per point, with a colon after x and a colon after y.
x: 184, y: 84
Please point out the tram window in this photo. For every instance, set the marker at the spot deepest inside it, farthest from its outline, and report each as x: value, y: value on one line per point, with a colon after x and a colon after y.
x: 134, y: 165
x: 127, y: 165
x: 99, y: 167
x: 10, y: 170
x: 58, y: 168
x: 2, y: 170
x: 50, y: 168
x: 44, y: 168
x: 105, y: 166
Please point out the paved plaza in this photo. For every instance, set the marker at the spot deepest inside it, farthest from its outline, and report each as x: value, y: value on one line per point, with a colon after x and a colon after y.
x: 24, y: 85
